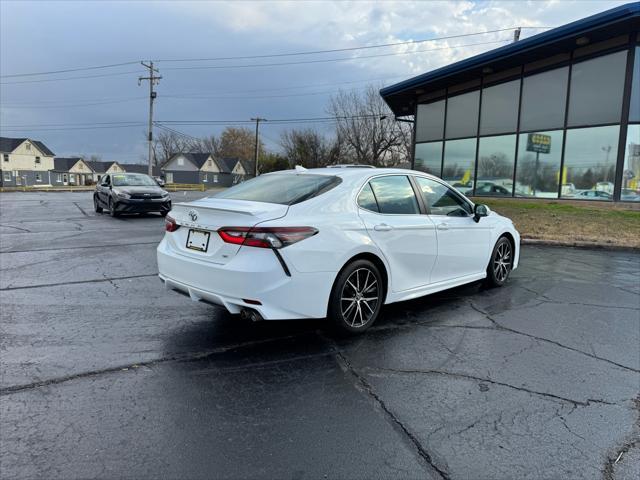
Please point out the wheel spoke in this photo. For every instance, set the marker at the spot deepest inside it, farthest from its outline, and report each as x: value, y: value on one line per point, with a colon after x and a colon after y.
x: 345, y: 313
x: 366, y: 304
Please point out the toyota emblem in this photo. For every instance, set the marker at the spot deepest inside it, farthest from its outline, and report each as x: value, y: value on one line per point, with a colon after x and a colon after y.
x: 193, y: 215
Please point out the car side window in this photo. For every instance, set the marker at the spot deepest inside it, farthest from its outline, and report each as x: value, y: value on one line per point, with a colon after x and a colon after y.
x: 441, y: 200
x: 394, y: 195
x: 367, y: 199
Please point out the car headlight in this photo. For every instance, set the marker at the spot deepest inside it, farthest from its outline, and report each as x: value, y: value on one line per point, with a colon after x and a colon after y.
x: 165, y: 194
x: 123, y: 195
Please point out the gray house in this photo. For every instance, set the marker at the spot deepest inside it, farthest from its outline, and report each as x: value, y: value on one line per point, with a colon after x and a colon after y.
x: 24, y: 162
x: 101, y: 168
x: 195, y: 168
x: 140, y: 168
x: 71, y: 171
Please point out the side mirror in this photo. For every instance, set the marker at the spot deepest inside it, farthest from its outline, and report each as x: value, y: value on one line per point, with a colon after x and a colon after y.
x: 480, y: 211
x: 160, y: 182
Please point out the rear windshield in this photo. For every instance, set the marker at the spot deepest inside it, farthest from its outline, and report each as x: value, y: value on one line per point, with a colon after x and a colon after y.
x: 285, y: 189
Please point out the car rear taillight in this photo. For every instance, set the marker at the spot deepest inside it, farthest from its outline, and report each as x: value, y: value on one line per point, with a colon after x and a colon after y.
x: 170, y: 224
x: 265, y: 237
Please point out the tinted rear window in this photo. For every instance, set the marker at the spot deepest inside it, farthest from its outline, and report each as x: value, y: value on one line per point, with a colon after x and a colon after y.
x: 285, y: 189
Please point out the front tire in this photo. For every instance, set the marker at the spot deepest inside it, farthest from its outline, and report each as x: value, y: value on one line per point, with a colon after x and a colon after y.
x: 501, y: 263
x: 356, y: 298
x: 96, y: 204
x: 112, y: 208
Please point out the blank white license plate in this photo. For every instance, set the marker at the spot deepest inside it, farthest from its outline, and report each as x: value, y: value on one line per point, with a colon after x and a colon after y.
x: 198, y: 240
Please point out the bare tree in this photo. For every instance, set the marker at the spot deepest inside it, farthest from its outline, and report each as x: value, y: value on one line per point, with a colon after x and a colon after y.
x: 238, y: 143
x: 309, y: 148
x: 166, y: 144
x: 367, y: 130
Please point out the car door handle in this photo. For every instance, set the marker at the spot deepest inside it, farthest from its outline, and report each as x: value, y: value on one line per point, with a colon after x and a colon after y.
x: 383, y: 227
x: 443, y: 226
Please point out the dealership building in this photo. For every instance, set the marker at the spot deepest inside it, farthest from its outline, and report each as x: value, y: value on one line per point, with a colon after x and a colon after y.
x: 556, y: 115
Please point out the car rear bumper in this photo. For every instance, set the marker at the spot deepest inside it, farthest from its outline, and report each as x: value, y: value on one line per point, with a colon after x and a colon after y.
x: 252, y: 274
x: 142, y: 206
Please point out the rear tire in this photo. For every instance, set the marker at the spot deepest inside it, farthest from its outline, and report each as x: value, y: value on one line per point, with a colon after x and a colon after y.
x: 356, y: 298
x: 501, y: 263
x: 96, y: 204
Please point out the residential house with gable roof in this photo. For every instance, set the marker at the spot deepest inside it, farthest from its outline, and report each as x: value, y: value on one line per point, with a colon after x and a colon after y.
x: 195, y: 168
x: 24, y: 162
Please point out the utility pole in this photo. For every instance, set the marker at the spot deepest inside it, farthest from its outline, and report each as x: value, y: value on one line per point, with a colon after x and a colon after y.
x: 153, y: 80
x: 255, y: 159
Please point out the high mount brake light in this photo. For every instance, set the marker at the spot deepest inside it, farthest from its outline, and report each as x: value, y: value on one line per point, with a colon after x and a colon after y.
x: 265, y: 237
x: 170, y: 224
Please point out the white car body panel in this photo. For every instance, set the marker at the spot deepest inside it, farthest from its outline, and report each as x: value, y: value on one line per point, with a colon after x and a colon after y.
x: 418, y: 257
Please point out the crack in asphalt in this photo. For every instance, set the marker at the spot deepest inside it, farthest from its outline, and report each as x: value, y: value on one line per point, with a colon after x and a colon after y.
x: 577, y: 403
x: 499, y: 326
x: 182, y: 357
x: 368, y: 389
x: 609, y: 465
x: 16, y: 228
x: 81, y: 209
x: 80, y: 247
x: 97, y: 280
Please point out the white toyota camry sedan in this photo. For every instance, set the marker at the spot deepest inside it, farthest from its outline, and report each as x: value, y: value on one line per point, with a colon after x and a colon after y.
x: 334, y: 243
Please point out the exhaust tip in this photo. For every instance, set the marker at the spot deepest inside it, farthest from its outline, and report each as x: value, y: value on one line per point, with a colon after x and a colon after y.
x: 249, y: 314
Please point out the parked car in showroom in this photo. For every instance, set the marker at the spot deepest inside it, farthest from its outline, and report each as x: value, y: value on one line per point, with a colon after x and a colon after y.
x: 336, y: 243
x: 130, y: 193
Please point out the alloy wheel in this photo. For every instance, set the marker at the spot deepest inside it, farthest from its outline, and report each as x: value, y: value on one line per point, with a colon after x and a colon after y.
x: 502, y: 262
x: 359, y: 297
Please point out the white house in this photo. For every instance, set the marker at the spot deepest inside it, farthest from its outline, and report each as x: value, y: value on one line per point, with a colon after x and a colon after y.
x: 24, y: 162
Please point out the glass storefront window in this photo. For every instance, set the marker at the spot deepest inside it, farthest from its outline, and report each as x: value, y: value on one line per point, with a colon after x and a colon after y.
x: 544, y: 99
x: 459, y: 163
x: 499, y: 112
x: 538, y: 166
x: 596, y: 90
x: 430, y: 122
x: 462, y: 115
x: 495, y: 165
x: 634, y: 108
x: 429, y: 157
x: 631, y: 175
x: 590, y: 163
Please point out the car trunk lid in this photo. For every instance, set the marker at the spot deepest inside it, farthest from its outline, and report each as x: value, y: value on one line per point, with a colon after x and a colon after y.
x: 210, y: 214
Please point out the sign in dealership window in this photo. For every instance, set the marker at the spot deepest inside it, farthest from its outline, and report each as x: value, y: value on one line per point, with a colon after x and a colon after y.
x: 462, y: 115
x: 538, y: 165
x: 430, y: 122
x: 596, y: 90
x: 543, y: 100
x: 499, y: 112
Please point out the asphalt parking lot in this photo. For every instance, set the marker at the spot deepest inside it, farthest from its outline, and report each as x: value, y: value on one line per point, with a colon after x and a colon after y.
x: 104, y: 374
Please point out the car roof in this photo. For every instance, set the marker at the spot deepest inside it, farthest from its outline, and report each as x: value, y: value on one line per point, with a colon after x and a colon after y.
x: 354, y: 173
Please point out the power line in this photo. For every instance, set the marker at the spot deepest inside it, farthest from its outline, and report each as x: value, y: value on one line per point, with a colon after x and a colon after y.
x: 68, y: 105
x: 348, y: 49
x: 51, y: 129
x: 327, y: 60
x: 165, y: 123
x: 68, y: 70
x: 70, y: 78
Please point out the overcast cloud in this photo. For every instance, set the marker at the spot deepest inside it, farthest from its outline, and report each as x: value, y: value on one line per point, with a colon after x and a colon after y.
x: 44, y: 36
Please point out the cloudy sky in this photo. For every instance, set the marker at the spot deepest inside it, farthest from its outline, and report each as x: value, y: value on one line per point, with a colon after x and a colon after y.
x: 187, y: 40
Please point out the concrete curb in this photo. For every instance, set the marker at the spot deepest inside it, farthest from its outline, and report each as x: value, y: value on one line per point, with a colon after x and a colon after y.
x: 584, y: 245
